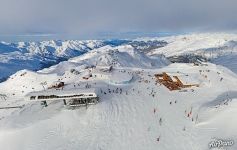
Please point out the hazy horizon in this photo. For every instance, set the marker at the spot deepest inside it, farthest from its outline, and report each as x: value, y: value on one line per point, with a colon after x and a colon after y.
x: 87, y: 19
x: 102, y: 36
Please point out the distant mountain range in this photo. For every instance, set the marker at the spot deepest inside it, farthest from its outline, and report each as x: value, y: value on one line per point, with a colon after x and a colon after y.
x: 219, y: 48
x: 39, y: 55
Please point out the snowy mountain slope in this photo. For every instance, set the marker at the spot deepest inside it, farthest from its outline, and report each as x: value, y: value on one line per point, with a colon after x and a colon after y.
x: 181, y: 44
x: 145, y: 115
x: 229, y: 61
x: 37, y: 55
x: 130, y: 120
x: 120, y: 56
x: 218, y: 48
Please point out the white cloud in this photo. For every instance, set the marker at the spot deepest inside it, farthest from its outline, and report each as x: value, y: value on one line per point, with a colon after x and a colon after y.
x: 88, y: 17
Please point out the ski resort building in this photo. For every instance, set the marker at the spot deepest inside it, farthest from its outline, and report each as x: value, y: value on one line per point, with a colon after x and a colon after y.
x: 77, y: 97
x: 56, y: 85
x: 171, y: 84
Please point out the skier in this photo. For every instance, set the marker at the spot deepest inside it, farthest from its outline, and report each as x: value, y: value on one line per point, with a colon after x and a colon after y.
x: 158, y: 139
x: 221, y: 79
x: 160, y: 121
x: 196, y: 118
x: 184, y: 128
x: 191, y: 111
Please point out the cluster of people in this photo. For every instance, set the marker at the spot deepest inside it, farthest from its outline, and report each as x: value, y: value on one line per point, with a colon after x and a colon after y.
x: 109, y: 90
x: 152, y: 92
x: 87, y: 86
x: 171, y: 102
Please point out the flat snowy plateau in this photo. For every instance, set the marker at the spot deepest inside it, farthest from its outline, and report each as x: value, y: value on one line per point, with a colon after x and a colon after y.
x: 143, y: 115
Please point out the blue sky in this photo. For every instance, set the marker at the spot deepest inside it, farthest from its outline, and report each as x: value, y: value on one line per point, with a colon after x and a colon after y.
x: 85, y: 19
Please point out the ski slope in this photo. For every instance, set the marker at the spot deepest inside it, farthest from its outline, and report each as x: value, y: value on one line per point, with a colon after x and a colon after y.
x: 141, y: 115
x: 130, y: 120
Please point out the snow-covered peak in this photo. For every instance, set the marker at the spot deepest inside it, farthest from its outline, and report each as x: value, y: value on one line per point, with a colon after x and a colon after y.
x: 120, y: 56
x: 57, y: 47
x: 181, y: 44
